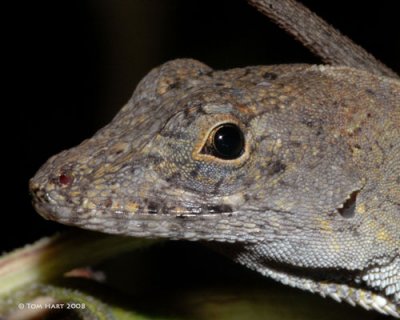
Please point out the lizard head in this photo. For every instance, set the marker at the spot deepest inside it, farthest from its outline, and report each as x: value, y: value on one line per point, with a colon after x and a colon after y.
x: 178, y: 151
x: 279, y: 158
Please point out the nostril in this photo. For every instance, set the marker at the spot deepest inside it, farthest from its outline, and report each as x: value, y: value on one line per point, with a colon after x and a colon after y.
x: 65, y: 179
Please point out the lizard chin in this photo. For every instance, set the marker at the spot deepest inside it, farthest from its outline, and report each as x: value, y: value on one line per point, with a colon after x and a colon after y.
x: 61, y: 215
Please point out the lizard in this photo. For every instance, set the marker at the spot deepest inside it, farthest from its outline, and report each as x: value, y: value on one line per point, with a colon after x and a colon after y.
x: 290, y: 170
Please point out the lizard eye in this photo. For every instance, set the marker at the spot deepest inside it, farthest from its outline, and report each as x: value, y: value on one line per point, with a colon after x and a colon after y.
x: 226, y: 142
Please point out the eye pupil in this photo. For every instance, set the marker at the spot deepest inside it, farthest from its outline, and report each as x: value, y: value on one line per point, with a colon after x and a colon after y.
x: 228, y: 142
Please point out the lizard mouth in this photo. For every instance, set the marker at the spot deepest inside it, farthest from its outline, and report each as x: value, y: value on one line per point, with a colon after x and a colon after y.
x: 45, y: 205
x: 147, y: 211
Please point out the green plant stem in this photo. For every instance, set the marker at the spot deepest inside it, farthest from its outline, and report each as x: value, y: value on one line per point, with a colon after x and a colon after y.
x: 51, y: 257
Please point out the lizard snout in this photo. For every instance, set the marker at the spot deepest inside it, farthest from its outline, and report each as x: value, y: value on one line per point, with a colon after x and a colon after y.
x: 44, y: 202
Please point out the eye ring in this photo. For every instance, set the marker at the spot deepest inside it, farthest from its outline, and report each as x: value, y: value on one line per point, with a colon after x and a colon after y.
x: 226, y: 141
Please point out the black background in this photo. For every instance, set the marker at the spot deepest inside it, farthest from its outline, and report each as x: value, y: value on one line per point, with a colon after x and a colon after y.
x: 72, y: 64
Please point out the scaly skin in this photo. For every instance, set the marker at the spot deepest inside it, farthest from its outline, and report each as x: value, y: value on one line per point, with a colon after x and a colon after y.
x: 313, y: 200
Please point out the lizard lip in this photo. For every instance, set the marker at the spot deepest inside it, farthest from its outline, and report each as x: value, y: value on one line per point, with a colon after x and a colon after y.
x: 43, y: 210
x: 51, y: 212
x: 44, y: 204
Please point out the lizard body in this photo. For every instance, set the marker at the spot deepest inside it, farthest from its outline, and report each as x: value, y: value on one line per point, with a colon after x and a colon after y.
x: 291, y: 170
